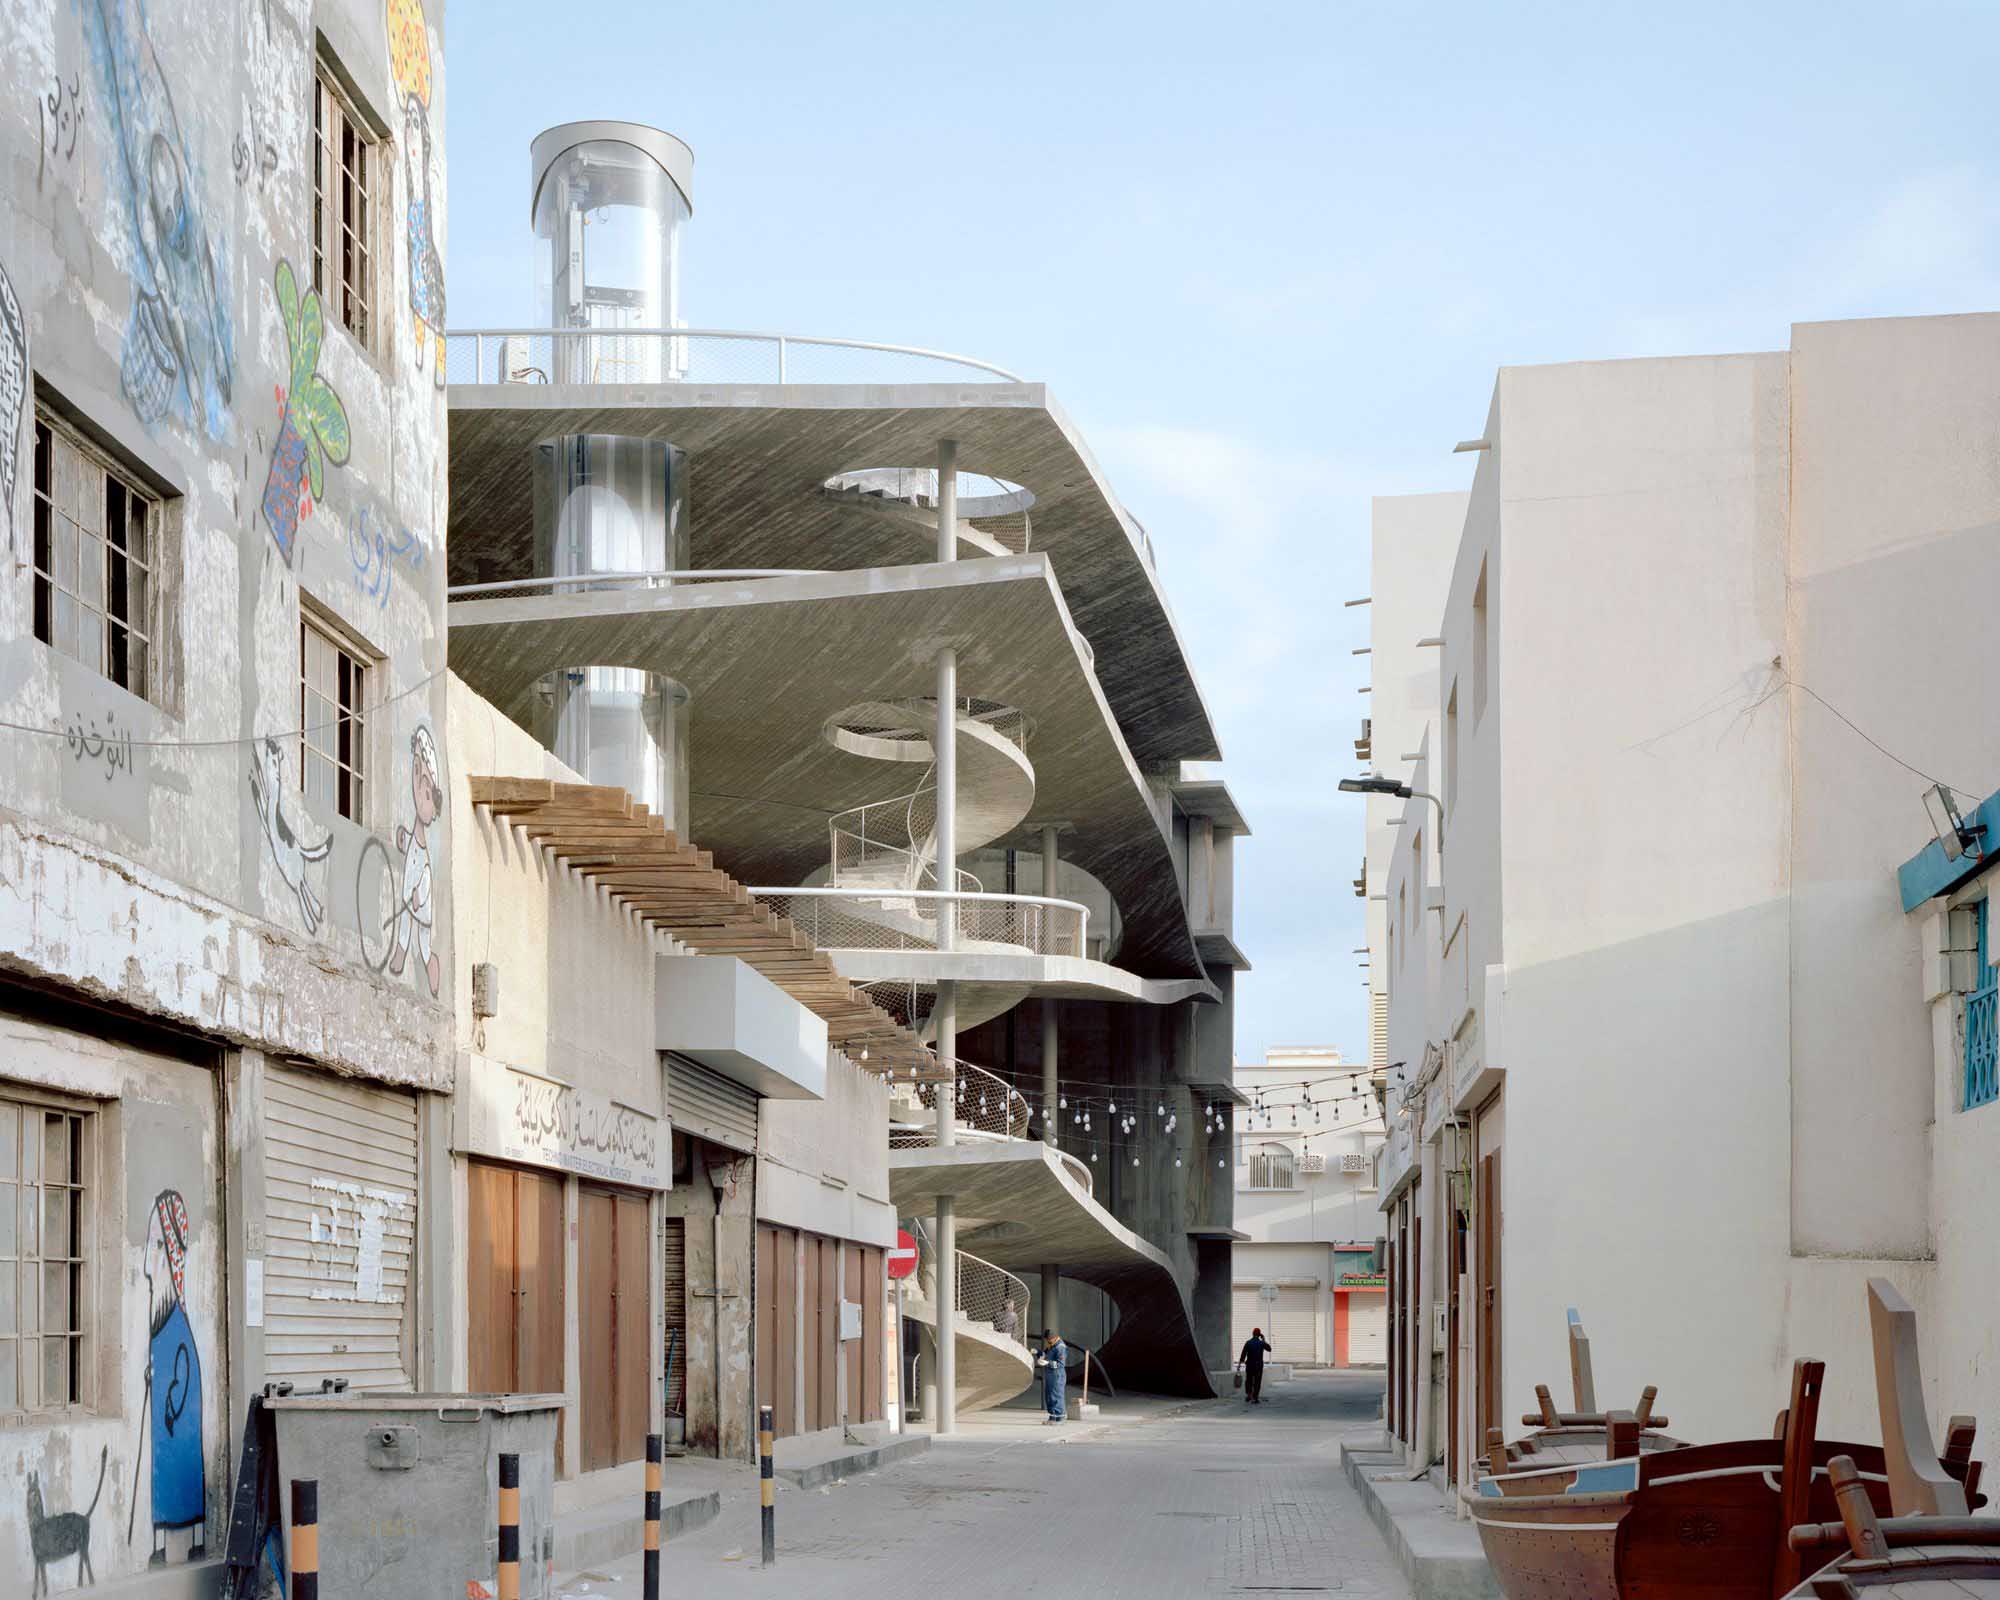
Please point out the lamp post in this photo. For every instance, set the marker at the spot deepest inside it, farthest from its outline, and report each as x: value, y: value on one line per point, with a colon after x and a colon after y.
x: 1391, y: 787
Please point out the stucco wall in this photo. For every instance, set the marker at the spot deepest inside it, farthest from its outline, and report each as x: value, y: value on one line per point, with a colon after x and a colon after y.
x: 823, y: 1166
x: 1643, y: 608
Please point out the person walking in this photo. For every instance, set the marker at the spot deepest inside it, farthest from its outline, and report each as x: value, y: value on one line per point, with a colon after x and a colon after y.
x: 1053, y: 1362
x: 1255, y: 1349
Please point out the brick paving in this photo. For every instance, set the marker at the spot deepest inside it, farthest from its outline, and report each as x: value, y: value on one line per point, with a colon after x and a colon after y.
x: 1211, y: 1499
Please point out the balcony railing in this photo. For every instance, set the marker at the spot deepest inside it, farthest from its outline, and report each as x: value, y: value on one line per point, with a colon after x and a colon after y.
x: 696, y: 355
x: 985, y: 1106
x: 929, y: 920
x: 598, y: 582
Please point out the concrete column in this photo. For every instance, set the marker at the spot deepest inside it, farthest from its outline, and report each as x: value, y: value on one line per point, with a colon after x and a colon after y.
x: 571, y: 1463
x: 947, y: 1316
x: 243, y: 1218
x: 1051, y: 1088
x: 947, y: 545
x: 945, y: 1014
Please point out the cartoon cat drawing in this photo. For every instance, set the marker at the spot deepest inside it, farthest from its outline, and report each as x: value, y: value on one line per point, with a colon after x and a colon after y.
x: 67, y: 1533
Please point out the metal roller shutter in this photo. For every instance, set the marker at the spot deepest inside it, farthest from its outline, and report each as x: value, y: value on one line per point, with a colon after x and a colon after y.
x: 340, y: 1204
x: 675, y: 1294
x: 1295, y: 1336
x: 1246, y: 1311
x: 708, y: 1105
x: 1367, y: 1329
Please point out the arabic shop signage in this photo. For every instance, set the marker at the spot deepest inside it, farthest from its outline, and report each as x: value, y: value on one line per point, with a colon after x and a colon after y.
x: 1361, y: 1280
x: 521, y: 1116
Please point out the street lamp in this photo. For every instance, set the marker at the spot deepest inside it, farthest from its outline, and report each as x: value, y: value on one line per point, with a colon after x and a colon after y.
x: 1376, y: 784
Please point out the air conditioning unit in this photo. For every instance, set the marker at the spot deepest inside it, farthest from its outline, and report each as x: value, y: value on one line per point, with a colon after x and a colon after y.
x: 1354, y: 1162
x: 1310, y: 1163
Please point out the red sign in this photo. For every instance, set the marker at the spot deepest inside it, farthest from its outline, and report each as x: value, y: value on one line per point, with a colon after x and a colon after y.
x: 902, y: 1261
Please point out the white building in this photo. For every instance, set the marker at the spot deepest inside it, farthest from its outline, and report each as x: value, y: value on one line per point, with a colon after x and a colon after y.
x: 1655, y: 989
x: 1306, y: 1267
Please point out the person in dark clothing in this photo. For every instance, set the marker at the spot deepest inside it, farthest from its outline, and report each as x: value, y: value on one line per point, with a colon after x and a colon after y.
x: 1255, y: 1349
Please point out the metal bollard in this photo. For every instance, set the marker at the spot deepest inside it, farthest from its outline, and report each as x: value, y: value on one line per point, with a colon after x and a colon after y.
x: 654, y: 1455
x: 767, y: 1486
x: 510, y: 1526
x: 305, y: 1539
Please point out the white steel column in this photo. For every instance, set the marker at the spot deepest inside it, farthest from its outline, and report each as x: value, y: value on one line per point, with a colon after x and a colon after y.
x: 1051, y: 1087
x: 945, y: 1013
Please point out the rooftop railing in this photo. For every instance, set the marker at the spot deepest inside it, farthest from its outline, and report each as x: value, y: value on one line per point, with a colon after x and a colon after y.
x: 596, y: 582
x: 696, y: 355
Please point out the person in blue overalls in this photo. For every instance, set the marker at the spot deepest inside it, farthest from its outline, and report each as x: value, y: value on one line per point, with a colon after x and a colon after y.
x: 1054, y: 1364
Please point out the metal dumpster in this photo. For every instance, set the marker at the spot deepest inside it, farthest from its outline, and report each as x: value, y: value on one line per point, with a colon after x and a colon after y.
x: 409, y: 1488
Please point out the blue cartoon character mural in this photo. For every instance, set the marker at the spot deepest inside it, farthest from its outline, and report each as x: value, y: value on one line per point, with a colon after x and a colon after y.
x: 170, y: 1422
x: 413, y: 913
x: 312, y: 424
x: 178, y: 353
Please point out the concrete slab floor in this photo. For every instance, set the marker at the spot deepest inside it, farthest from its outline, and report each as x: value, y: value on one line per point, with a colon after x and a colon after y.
x: 1438, y: 1551
x: 1188, y: 1498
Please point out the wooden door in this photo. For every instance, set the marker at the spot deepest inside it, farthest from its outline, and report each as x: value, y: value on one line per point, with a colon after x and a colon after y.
x: 828, y: 1336
x: 810, y: 1345
x: 631, y: 1290
x: 489, y: 1305
x: 596, y: 1279
x: 1487, y: 1400
x: 852, y: 1350
x: 1457, y: 1270
x: 765, y: 1354
x: 874, y: 1317
x: 785, y: 1335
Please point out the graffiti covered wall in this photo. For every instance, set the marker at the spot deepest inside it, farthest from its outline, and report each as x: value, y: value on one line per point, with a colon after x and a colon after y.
x: 171, y: 297
x: 118, y: 1467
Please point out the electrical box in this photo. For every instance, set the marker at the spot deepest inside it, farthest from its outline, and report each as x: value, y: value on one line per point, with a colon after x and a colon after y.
x: 1438, y: 1325
x: 485, y: 989
x: 850, y: 1319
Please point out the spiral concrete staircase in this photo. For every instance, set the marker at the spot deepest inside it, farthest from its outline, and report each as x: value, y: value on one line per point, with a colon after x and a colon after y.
x: 989, y: 1324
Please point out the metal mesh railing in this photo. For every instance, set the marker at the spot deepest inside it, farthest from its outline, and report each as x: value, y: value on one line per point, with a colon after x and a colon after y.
x: 929, y: 919
x: 984, y: 1105
x: 993, y: 1296
x: 696, y: 355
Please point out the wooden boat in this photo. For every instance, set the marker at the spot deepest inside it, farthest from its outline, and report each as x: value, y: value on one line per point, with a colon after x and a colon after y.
x: 1567, y: 1438
x: 1932, y: 1548
x: 1703, y: 1520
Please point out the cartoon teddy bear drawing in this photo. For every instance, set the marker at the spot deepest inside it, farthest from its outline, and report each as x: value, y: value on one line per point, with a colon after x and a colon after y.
x: 413, y: 914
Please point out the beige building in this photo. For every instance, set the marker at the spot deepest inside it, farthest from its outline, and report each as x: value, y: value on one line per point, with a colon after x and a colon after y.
x: 1668, y: 1040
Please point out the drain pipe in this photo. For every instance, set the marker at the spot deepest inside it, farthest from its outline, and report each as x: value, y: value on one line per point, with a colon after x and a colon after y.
x: 945, y: 752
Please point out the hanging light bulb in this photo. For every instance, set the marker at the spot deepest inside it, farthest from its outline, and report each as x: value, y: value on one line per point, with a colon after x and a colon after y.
x: 1062, y: 1104
x: 1093, y: 1158
x: 1114, y: 1108
x: 1177, y: 1160
x: 1135, y: 1161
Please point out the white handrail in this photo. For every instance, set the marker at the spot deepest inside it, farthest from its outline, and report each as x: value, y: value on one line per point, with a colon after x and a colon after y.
x: 781, y: 340
x: 685, y: 575
x: 879, y: 893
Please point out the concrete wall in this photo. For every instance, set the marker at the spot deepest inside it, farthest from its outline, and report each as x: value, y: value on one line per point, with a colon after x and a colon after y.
x: 155, y: 1163
x: 823, y: 1166
x: 242, y: 935
x: 719, y: 1219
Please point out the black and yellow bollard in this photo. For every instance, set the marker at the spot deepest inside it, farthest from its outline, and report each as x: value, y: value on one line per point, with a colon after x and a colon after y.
x: 766, y: 1485
x: 305, y: 1539
x: 510, y: 1526
x: 653, y: 1541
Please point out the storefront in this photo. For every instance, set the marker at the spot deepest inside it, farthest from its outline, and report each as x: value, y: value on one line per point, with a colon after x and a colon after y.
x: 561, y: 1281
x: 1360, y: 1314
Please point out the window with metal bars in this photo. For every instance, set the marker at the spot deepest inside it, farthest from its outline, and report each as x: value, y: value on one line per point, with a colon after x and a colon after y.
x: 93, y: 560
x: 333, y: 682
x: 1982, y: 1058
x: 46, y: 1347
x: 345, y: 163
x: 1274, y: 1167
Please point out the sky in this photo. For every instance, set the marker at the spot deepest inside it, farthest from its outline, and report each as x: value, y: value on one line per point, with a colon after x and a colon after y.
x: 1268, y: 258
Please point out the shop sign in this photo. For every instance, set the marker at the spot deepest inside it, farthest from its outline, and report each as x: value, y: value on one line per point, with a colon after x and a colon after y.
x: 521, y: 1116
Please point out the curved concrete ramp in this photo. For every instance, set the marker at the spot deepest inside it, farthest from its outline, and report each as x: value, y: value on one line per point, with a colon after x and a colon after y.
x: 992, y: 1368
x: 1022, y: 1209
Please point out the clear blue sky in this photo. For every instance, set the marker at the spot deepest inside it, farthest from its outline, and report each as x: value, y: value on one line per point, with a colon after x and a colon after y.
x: 1268, y: 257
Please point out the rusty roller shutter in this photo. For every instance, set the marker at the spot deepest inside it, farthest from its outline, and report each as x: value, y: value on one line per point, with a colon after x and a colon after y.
x: 340, y: 1208
x: 674, y: 1294
x: 708, y: 1105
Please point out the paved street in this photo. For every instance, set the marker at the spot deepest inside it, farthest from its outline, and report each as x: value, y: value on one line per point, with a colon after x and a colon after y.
x: 1207, y: 1499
